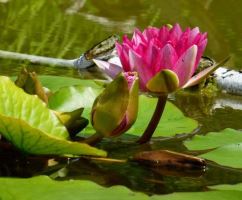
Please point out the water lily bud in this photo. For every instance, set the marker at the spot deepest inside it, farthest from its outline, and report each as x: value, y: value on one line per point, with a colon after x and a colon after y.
x: 115, y: 109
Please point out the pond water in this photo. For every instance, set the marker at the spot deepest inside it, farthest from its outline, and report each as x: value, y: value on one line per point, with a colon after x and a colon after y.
x: 65, y: 29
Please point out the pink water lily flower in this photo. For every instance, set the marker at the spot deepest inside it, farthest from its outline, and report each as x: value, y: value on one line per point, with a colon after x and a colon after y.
x: 165, y: 58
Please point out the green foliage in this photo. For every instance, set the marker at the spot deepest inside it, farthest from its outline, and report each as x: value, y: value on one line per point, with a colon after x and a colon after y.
x: 226, y: 147
x: 15, y: 103
x: 55, y: 83
x: 214, y: 139
x: 28, y: 124
x: 228, y: 155
x: 71, y: 98
x: 44, y: 188
x: 172, y: 121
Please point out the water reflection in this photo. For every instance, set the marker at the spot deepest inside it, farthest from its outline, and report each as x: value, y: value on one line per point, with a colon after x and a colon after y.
x: 210, y: 111
x: 73, y: 26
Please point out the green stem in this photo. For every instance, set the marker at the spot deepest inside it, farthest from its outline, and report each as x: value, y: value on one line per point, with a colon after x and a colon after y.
x: 154, y: 120
x: 94, y: 139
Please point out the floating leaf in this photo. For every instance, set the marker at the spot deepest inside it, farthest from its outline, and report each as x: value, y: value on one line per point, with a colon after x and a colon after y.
x: 228, y: 155
x: 27, y: 123
x: 68, y: 99
x: 172, y: 122
x: 214, y: 139
x: 43, y: 187
x: 233, y: 187
x: 54, y: 83
x: 227, y: 144
x: 211, y: 195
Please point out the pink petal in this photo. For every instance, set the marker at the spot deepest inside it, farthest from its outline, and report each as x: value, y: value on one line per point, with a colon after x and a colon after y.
x: 137, y: 63
x: 123, y: 55
x: 127, y: 41
x: 151, y: 55
x: 185, y: 65
x: 183, y: 44
x: 163, y: 35
x: 175, y: 33
x: 138, y: 38
x: 201, y: 47
x: 110, y: 69
x: 150, y: 32
x: 204, y: 74
x: 194, y: 32
x: 168, y: 58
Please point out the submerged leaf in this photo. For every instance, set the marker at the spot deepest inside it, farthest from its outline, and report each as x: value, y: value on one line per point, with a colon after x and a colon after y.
x: 169, y: 159
x: 28, y: 124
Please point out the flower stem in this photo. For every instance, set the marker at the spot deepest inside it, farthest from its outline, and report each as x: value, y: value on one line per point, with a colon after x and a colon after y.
x: 94, y: 139
x: 154, y: 120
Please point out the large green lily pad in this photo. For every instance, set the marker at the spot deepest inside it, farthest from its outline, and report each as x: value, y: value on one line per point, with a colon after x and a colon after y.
x: 172, y: 122
x: 54, y: 83
x: 44, y: 188
x: 214, y: 139
x: 68, y: 99
x: 228, y: 155
x: 27, y: 123
x: 237, y: 187
x: 225, y: 147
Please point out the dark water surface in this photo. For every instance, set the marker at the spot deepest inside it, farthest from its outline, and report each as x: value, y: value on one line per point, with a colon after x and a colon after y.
x: 66, y: 28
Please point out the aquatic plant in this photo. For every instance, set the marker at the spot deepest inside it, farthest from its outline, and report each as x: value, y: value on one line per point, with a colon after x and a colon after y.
x: 165, y: 59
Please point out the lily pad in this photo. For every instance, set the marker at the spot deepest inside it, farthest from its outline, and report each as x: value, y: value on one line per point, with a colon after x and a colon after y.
x: 27, y: 123
x: 228, y: 155
x: 44, y: 188
x: 214, y: 139
x: 172, y: 122
x: 54, y: 83
x: 225, y: 146
x: 233, y: 187
x: 68, y: 99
